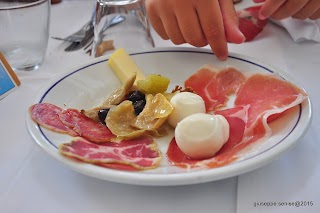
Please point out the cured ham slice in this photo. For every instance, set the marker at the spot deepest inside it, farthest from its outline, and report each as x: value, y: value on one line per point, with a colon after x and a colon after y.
x: 47, y: 115
x: 249, y: 23
x: 259, y: 97
x: 136, y: 154
x: 267, y: 95
x: 224, y: 156
x: 215, y: 87
x: 85, y: 127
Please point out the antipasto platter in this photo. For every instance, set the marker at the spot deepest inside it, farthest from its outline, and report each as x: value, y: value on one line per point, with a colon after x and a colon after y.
x: 269, y: 112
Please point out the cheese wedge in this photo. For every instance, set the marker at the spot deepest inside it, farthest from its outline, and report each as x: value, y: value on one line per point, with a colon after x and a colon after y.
x: 123, y: 66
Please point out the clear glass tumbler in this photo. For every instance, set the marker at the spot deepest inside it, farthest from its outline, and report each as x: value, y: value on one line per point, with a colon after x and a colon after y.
x: 24, y: 32
x: 121, y: 24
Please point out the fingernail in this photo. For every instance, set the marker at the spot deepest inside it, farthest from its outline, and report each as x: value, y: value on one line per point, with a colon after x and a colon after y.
x: 243, y: 39
x: 239, y: 38
x: 262, y: 16
x: 223, y: 57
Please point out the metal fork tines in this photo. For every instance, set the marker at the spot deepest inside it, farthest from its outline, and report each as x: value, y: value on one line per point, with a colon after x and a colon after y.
x: 77, y: 36
x: 73, y: 46
x: 87, y: 39
x: 78, y: 45
x: 71, y: 39
x: 81, y: 33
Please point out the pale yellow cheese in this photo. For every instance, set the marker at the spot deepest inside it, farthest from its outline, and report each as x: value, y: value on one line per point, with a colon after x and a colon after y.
x: 123, y: 66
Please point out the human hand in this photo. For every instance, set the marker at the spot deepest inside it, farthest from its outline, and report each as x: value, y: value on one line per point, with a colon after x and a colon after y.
x: 281, y: 9
x: 198, y: 23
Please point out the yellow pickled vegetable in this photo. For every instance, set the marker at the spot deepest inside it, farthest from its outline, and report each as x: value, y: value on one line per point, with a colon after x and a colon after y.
x: 155, y: 112
x: 153, y: 84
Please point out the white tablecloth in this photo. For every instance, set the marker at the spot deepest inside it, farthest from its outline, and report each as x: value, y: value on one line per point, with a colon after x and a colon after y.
x: 32, y: 181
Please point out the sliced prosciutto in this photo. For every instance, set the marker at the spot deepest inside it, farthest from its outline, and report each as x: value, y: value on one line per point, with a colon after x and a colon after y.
x: 257, y: 99
x: 136, y: 154
x: 85, y: 127
x: 215, y: 86
x: 47, y: 115
x: 265, y: 95
x: 249, y: 23
x: 224, y: 156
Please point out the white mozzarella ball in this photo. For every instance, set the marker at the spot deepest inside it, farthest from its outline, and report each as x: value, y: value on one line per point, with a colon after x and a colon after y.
x: 202, y: 135
x: 185, y: 104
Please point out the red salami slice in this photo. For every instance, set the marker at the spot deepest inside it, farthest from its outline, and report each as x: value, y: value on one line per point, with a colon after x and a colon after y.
x: 136, y: 154
x: 249, y: 23
x: 259, y: 97
x: 214, y: 87
x: 47, y: 115
x: 85, y: 127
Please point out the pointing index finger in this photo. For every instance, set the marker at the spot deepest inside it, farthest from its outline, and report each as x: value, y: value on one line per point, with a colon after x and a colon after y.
x: 211, y: 21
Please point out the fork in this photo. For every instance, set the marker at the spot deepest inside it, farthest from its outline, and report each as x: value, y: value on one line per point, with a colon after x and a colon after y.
x: 77, y: 36
x: 115, y: 20
x: 81, y: 33
x: 78, y: 45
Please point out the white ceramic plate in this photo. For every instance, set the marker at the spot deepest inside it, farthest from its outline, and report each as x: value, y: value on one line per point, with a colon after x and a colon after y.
x: 88, y: 85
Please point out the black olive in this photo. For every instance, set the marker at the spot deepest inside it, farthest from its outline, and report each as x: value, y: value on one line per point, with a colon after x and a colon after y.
x: 138, y: 106
x: 135, y: 95
x: 102, y: 114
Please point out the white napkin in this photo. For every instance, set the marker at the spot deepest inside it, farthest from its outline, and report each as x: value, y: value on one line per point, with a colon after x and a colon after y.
x: 301, y: 30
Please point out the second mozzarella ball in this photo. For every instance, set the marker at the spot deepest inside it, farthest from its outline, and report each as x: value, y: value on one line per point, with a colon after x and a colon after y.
x: 185, y: 104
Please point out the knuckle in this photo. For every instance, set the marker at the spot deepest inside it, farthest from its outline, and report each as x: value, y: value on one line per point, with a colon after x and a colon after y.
x: 300, y: 16
x: 277, y: 16
x: 213, y: 33
x: 315, y: 17
x: 197, y: 42
x: 177, y: 41
x: 163, y: 35
x: 175, y: 36
x: 194, y: 37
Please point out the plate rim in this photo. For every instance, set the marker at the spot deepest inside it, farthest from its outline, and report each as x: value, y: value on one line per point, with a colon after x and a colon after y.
x: 173, y: 179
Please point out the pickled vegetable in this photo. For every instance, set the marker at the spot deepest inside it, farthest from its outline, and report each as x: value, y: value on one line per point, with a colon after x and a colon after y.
x: 153, y: 84
x: 155, y: 112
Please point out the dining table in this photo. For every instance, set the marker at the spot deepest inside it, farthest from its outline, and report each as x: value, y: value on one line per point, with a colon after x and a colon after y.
x: 33, y: 181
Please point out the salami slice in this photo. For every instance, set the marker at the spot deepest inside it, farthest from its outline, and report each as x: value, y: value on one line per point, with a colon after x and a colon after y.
x: 85, y: 127
x: 136, y: 154
x: 249, y: 23
x: 47, y: 115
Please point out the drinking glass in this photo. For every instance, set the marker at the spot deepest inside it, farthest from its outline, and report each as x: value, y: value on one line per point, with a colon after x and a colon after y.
x: 121, y: 24
x: 24, y: 32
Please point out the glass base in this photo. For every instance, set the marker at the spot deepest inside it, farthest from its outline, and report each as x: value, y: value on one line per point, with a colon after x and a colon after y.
x: 27, y: 67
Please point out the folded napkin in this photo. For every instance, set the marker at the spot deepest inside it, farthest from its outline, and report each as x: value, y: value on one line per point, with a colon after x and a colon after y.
x: 301, y: 30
